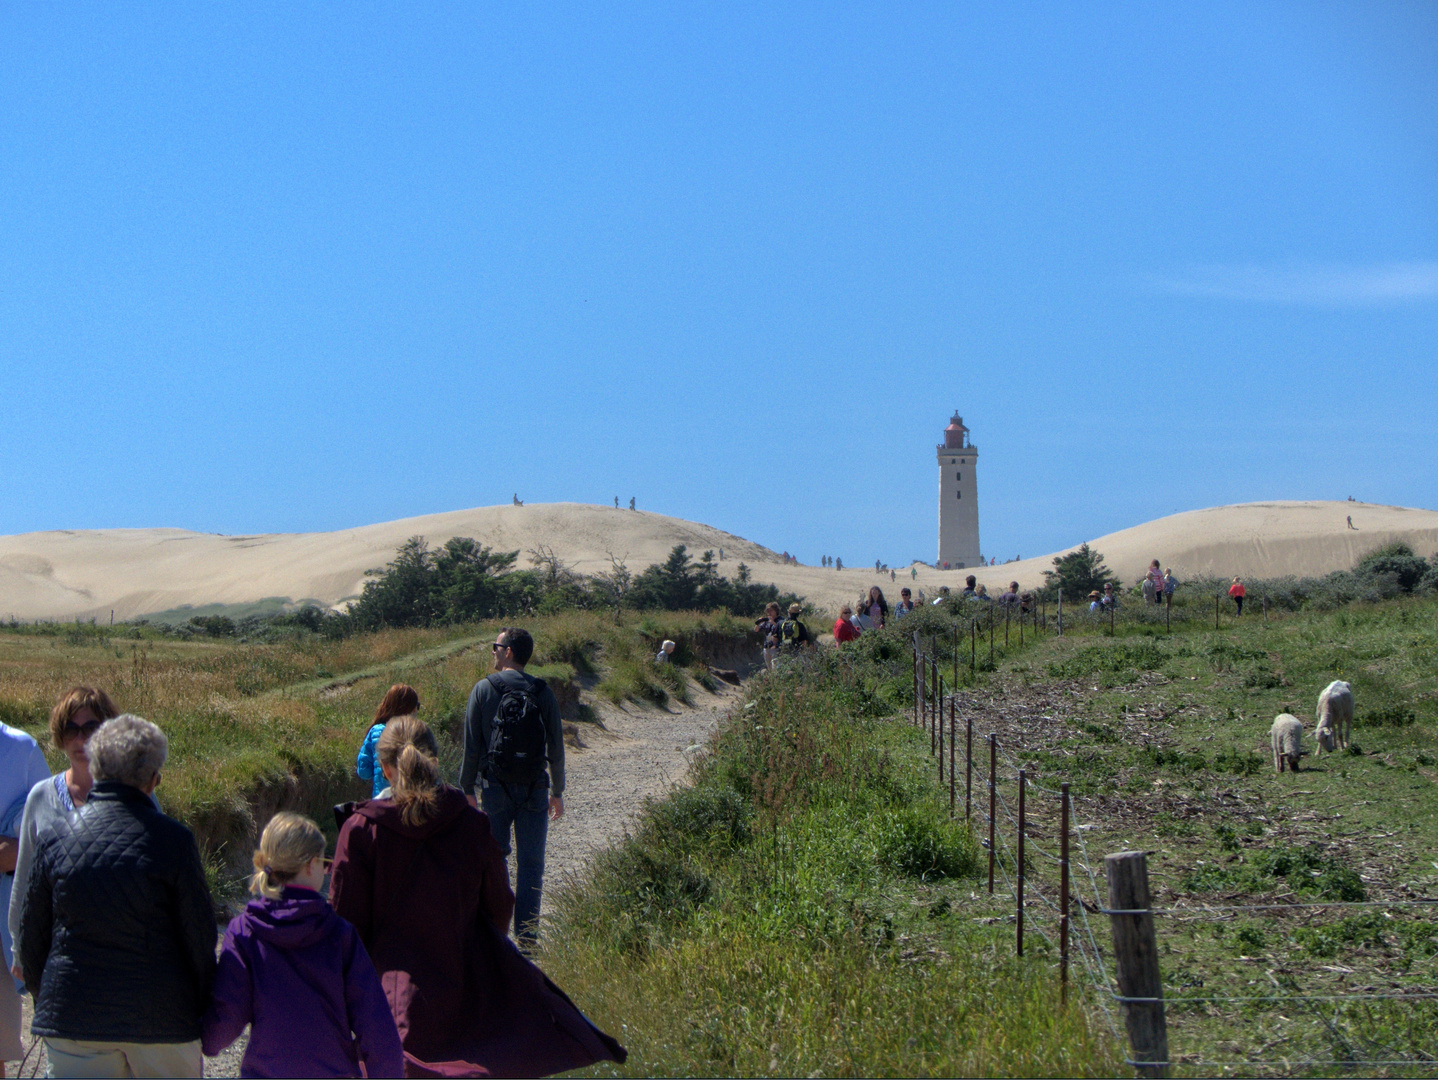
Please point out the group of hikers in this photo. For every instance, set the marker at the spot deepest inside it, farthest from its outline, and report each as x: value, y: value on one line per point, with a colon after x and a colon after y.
x: 871, y: 612
x: 402, y: 965
x: 1156, y: 585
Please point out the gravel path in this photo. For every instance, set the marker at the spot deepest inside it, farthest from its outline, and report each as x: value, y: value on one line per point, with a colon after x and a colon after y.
x: 638, y: 753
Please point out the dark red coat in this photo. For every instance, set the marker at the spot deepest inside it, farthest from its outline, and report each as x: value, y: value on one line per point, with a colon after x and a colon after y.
x: 432, y: 904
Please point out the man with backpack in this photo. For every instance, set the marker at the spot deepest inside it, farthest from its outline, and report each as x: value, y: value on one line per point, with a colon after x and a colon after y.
x: 514, y: 747
x: 793, y: 634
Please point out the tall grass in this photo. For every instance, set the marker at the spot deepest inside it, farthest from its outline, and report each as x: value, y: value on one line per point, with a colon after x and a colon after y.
x: 800, y: 910
x: 256, y: 727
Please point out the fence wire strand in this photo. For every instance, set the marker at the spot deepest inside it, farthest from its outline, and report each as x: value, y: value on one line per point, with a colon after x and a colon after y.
x: 1083, y: 942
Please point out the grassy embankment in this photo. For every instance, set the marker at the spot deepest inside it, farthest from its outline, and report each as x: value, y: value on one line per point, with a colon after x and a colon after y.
x: 256, y: 727
x: 807, y: 907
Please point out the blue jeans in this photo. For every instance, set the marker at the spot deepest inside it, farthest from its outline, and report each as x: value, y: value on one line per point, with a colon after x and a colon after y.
x: 525, y: 808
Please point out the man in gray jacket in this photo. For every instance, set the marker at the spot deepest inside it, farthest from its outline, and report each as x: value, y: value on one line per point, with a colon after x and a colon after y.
x: 514, y: 748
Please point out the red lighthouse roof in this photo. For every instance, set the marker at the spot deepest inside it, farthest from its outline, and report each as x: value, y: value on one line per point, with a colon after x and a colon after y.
x: 954, y: 434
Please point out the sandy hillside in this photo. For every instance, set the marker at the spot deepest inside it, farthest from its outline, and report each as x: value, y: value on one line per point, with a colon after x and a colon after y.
x: 137, y: 571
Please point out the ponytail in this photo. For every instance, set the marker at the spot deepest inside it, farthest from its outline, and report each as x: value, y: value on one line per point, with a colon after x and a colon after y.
x: 288, y: 845
x: 408, y: 747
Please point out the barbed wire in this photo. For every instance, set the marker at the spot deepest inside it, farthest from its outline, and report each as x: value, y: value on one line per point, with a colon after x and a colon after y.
x: 1083, y: 943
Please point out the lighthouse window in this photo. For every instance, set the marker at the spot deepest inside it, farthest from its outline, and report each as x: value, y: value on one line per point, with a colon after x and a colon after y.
x: 959, y: 475
x: 961, y: 494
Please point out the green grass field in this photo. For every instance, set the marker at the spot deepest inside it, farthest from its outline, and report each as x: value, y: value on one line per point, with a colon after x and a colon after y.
x: 808, y: 905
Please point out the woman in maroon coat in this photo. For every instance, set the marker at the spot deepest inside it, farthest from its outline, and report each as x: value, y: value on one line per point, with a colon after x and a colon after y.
x: 422, y: 880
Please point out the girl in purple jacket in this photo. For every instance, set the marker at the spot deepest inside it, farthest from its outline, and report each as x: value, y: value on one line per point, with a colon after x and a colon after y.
x: 298, y: 974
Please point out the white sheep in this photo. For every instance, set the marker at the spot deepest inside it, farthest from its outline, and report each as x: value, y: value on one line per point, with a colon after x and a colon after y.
x: 1287, y: 737
x: 1335, y: 716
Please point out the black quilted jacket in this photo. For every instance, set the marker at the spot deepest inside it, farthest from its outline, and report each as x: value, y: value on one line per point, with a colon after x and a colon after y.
x: 117, y: 937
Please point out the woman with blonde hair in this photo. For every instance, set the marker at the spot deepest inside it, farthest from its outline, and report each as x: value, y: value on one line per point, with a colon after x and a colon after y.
x: 422, y: 879
x: 400, y: 700
x: 297, y: 973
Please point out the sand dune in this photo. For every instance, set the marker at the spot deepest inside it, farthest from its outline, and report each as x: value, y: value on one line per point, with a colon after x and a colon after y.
x: 64, y: 574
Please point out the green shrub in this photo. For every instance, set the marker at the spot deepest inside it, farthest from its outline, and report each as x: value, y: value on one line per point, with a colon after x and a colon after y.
x: 911, y: 841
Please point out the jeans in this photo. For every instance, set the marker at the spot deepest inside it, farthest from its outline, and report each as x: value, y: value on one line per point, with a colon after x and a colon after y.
x: 525, y: 808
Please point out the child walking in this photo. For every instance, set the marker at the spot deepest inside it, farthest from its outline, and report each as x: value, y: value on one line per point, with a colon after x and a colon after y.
x: 298, y: 974
x: 401, y: 700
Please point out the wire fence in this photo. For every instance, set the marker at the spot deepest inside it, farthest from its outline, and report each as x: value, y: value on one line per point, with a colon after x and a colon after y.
x: 1055, y: 888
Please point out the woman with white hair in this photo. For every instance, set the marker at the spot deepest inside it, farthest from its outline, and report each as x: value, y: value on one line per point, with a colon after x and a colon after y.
x: 117, y: 936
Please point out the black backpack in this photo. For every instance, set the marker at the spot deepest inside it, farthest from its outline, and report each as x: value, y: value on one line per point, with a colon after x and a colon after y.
x: 517, y: 745
x: 793, y: 633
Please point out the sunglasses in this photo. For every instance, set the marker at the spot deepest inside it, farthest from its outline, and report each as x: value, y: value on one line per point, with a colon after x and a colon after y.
x: 72, y: 729
x: 496, y: 646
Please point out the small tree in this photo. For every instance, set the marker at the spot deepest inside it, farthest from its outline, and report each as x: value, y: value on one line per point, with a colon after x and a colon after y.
x: 1079, y: 573
x: 1397, y: 561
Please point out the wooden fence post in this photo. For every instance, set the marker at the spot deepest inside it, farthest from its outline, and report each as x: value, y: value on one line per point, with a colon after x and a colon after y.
x: 969, y: 767
x: 1135, y: 953
x: 1060, y: 628
x: 1019, y: 873
x: 937, y: 711
x: 916, y: 680
x: 938, y: 742
x: 1064, y: 894
x: 993, y: 767
x: 923, y: 689
x: 953, y: 781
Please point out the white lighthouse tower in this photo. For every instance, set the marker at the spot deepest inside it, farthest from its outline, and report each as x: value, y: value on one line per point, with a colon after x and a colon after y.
x: 958, y: 497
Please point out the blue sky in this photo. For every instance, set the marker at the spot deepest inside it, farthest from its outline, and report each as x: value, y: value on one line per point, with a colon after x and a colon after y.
x: 306, y: 267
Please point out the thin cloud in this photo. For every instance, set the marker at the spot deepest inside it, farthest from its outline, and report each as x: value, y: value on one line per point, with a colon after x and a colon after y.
x: 1380, y: 284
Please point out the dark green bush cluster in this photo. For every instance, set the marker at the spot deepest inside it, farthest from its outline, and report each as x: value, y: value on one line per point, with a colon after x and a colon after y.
x: 1079, y: 573
x: 467, y: 582
x: 1389, y: 572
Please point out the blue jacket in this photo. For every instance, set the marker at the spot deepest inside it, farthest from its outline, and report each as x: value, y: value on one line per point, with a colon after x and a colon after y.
x: 367, y: 763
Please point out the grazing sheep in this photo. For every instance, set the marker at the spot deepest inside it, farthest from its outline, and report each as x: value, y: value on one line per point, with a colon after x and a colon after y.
x: 1287, y: 737
x: 1335, y: 716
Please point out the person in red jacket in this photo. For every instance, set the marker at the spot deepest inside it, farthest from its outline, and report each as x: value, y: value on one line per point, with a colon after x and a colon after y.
x: 844, y: 628
x: 1237, y: 591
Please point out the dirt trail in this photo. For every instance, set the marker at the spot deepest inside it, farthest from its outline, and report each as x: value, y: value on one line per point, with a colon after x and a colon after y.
x: 640, y: 752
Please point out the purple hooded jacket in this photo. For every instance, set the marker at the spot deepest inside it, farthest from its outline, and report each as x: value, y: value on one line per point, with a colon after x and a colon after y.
x: 299, y: 975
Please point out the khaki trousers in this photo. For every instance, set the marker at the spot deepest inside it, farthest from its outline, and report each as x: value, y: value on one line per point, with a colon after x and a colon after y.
x: 81, y: 1057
